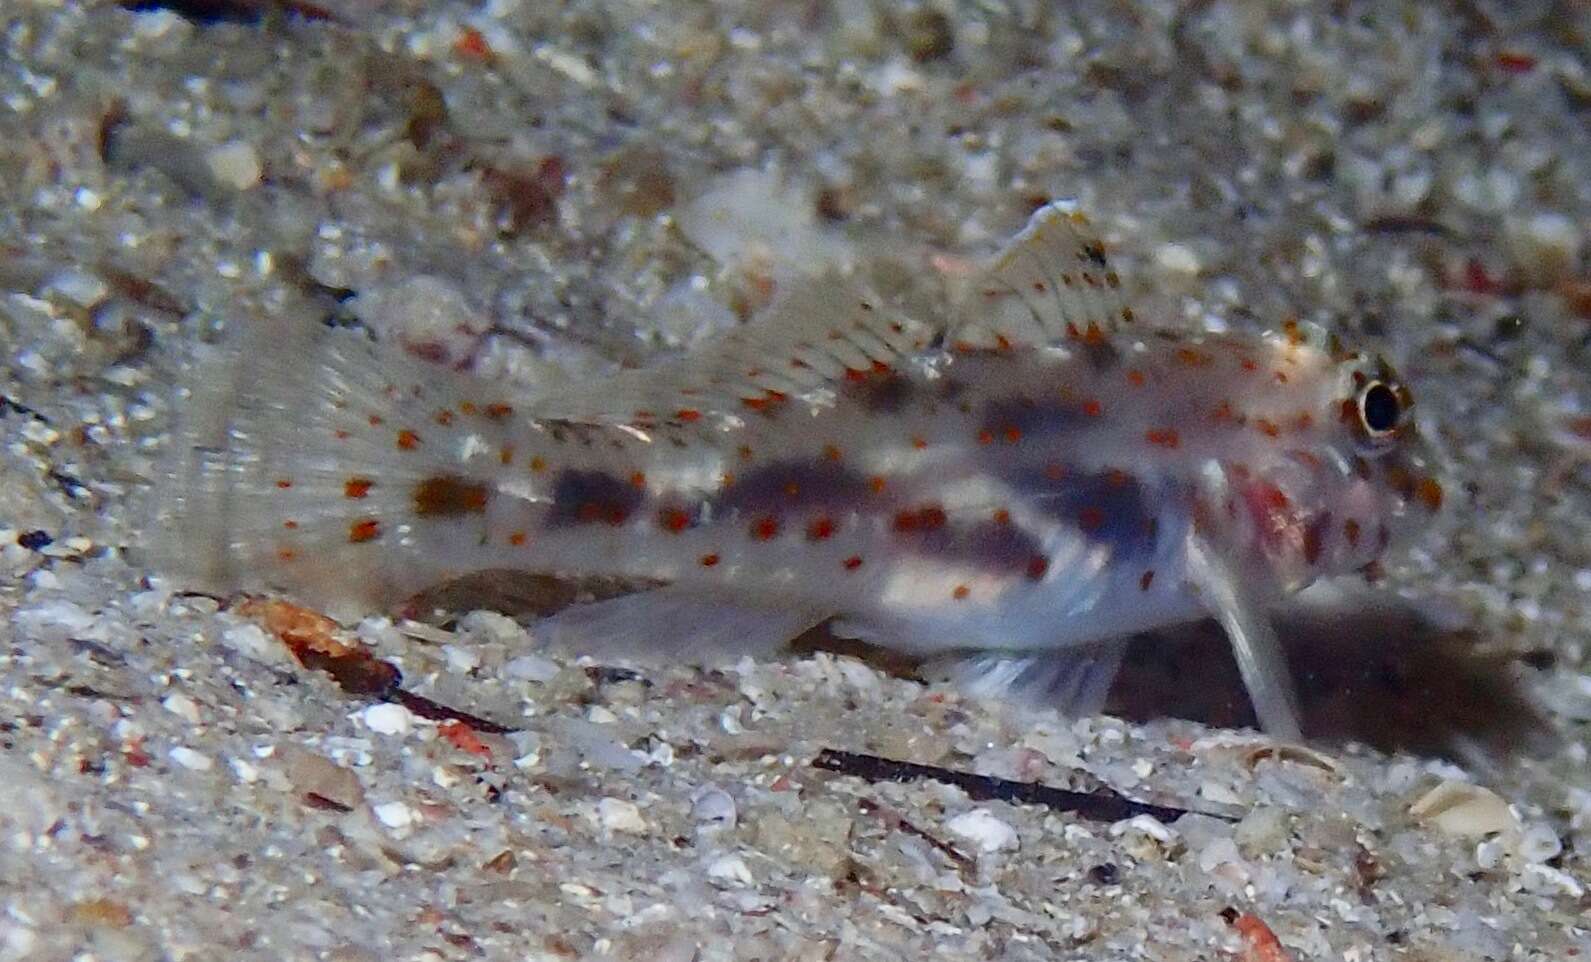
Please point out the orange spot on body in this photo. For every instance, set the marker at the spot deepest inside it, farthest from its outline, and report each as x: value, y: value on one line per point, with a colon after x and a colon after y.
x: 1193, y: 358
x: 357, y: 487
x: 468, y: 407
x: 821, y: 529
x: 985, y: 437
x: 928, y: 518
x: 765, y: 528
x: 688, y: 415
x: 1429, y: 491
x: 1136, y: 377
x: 709, y: 560
x: 1055, y: 471
x: 1267, y: 427
x: 286, y: 554
x: 638, y: 480
x: 283, y: 483
x: 831, y: 453
x: 673, y: 520
x: 919, y: 442
x: 444, y: 417
x: 1002, y: 516
x: 1037, y: 566
x: 1091, y: 519
x: 499, y: 411
x: 449, y: 496
x: 290, y: 525
x: 1163, y: 438
x: 1350, y: 530
x: 876, y: 484
x: 852, y: 563
x: 375, y: 420
x: 408, y: 440
x: 518, y: 539
x: 368, y: 529
x: 538, y: 464
x: 1093, y: 408
x: 1012, y: 434
x: 505, y: 456
x: 1248, y: 364
x: 961, y: 592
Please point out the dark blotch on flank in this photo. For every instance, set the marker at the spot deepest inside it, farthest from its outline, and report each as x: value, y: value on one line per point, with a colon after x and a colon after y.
x: 886, y: 394
x: 1100, y: 355
x: 448, y: 496
x: 999, y: 547
x: 1126, y: 516
x: 785, y: 485
x: 583, y: 496
x: 1031, y: 418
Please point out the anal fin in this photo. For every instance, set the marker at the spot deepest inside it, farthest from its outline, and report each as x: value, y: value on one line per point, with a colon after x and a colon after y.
x: 673, y: 624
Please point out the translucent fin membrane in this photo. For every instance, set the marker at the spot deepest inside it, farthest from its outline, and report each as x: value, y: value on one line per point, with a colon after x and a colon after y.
x: 293, y: 462
x: 1051, y: 284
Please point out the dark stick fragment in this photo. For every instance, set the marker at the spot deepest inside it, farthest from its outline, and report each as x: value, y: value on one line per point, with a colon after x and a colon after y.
x: 898, y: 821
x: 436, y: 711
x: 1102, y: 806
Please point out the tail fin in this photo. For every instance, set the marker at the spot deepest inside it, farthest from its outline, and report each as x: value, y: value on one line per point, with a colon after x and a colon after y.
x: 292, y: 465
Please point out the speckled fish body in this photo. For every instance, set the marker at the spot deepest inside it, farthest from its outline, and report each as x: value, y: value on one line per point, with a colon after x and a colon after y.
x: 1034, y: 475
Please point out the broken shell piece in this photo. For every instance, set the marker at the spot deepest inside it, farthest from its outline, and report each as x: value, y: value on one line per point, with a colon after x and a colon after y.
x: 1465, y: 811
x: 1297, y: 754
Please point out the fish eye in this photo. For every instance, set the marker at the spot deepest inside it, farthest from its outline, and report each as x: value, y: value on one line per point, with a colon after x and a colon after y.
x: 1380, y: 409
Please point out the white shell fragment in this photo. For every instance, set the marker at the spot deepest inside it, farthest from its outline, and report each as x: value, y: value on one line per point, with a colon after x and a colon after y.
x: 983, y: 829
x: 388, y: 719
x: 618, y: 815
x: 1465, y: 811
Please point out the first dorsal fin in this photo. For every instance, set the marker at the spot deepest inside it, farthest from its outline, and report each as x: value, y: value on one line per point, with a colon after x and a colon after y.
x: 813, y: 338
x: 1051, y: 284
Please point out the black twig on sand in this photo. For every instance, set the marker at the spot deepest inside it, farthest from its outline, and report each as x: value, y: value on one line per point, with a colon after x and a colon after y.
x: 1102, y: 806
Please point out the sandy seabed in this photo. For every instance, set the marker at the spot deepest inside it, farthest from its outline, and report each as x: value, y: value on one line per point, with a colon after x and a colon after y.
x: 540, y: 190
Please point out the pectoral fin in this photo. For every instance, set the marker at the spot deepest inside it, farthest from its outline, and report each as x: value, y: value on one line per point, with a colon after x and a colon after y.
x: 1073, y: 681
x: 1255, y: 646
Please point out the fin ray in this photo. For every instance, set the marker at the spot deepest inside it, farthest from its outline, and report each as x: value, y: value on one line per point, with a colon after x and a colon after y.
x: 800, y: 348
x: 1255, y: 645
x: 288, y: 436
x: 674, y: 623
x: 1073, y: 681
x: 1050, y: 284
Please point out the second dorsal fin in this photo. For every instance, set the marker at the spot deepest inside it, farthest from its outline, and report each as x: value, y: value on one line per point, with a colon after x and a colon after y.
x: 822, y: 332
x: 1051, y: 284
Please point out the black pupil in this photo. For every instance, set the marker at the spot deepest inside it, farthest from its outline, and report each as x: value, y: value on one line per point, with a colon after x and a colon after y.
x: 1380, y: 408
